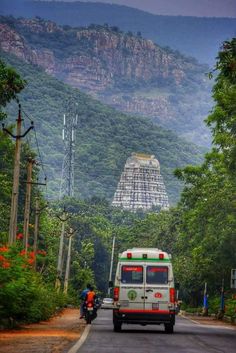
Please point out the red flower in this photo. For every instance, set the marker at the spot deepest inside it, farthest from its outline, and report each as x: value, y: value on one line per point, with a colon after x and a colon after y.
x: 32, y: 254
x: 4, y: 249
x: 30, y: 261
x: 19, y: 236
x: 6, y: 264
x: 42, y: 252
x: 2, y: 258
x: 23, y: 252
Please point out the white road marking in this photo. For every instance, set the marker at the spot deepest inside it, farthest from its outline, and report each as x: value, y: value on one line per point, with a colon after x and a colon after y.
x: 81, y: 340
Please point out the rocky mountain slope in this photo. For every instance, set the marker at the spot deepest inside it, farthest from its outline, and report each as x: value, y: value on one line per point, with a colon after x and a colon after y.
x: 105, y: 138
x: 200, y: 38
x: 125, y: 71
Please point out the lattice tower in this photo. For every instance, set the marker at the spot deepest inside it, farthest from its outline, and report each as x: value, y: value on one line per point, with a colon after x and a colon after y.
x: 68, y: 136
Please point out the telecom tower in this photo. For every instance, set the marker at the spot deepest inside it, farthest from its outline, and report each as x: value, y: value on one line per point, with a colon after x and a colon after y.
x: 68, y: 137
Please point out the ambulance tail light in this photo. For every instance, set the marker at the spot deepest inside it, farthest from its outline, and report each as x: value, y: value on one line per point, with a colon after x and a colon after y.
x: 172, y: 295
x: 116, y: 294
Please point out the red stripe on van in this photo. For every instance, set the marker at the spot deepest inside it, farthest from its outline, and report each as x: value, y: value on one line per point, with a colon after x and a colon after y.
x: 145, y: 311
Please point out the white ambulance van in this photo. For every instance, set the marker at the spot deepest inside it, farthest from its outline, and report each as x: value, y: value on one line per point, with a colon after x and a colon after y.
x: 144, y: 290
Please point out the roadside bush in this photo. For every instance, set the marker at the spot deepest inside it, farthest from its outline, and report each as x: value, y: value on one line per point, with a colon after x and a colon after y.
x: 230, y: 308
x: 190, y: 310
x: 45, y: 303
x: 23, y: 294
x: 214, y: 305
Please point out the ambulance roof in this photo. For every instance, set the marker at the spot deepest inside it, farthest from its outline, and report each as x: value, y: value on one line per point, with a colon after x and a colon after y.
x: 144, y: 254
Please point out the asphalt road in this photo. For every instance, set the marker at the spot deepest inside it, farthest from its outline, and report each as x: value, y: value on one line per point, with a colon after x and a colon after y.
x: 189, y: 337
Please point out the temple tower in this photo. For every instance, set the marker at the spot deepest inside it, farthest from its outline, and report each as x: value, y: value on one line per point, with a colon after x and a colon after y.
x: 141, y: 185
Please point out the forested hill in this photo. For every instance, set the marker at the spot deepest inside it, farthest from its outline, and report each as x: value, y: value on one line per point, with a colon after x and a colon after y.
x: 193, y: 36
x: 132, y: 74
x: 104, y: 136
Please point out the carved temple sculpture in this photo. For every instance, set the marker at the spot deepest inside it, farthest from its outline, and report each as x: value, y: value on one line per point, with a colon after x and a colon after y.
x: 141, y: 185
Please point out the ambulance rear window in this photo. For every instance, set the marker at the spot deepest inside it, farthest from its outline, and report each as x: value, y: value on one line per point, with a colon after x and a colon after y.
x: 157, y: 274
x: 132, y: 274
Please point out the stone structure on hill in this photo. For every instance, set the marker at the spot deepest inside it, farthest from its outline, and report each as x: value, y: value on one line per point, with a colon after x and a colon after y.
x: 141, y: 185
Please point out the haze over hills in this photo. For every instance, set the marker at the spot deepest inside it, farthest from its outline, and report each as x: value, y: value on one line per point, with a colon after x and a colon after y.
x: 125, y: 71
x: 193, y: 36
x: 105, y: 138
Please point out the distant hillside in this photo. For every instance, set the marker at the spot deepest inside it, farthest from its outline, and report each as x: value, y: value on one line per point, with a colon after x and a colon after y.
x: 130, y: 73
x: 105, y: 137
x: 196, y: 37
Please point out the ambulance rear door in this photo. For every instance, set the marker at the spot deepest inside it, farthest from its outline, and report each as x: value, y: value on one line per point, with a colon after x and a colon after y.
x: 132, y: 293
x: 157, y: 287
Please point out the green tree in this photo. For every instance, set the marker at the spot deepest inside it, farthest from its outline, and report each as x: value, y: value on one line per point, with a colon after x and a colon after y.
x: 222, y: 121
x: 10, y: 85
x: 206, y: 244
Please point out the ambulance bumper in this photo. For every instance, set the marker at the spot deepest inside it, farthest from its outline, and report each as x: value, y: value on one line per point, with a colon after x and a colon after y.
x: 150, y: 317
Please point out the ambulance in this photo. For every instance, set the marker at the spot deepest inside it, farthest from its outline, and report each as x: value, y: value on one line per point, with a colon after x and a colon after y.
x: 144, y: 291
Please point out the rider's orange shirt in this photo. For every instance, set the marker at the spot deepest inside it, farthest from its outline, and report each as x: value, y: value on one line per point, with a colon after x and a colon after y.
x: 90, y: 296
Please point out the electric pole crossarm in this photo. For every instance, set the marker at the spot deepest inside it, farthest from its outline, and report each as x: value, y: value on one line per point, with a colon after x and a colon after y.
x: 30, y: 128
x: 18, y: 136
x: 33, y: 183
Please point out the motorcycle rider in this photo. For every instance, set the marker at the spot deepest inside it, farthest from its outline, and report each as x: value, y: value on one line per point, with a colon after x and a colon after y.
x: 91, y: 298
x: 82, y: 297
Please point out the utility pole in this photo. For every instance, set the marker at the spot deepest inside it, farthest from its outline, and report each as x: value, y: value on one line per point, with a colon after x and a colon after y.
x: 111, y: 265
x: 68, y: 137
x: 70, y: 234
x: 16, y: 176
x: 27, y: 202
x: 63, y: 219
x: 36, y: 226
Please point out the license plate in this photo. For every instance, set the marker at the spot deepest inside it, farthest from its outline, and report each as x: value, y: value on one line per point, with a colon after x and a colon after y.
x: 155, y: 305
x: 124, y: 303
x: 90, y: 309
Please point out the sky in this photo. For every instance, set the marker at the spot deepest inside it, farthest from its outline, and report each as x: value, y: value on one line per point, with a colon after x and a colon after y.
x: 202, y: 8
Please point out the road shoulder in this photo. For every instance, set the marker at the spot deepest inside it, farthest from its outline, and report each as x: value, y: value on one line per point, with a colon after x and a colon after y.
x: 207, y: 320
x: 56, y: 335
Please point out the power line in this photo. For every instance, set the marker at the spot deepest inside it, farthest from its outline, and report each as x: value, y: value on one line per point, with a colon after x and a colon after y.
x: 39, y: 154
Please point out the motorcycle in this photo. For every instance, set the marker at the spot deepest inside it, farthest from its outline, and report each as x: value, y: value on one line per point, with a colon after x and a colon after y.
x: 90, y: 312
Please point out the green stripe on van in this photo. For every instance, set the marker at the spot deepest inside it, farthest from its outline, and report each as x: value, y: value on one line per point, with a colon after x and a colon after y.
x: 143, y: 260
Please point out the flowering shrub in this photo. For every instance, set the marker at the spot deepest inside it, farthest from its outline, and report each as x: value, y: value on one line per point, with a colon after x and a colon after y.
x: 23, y: 294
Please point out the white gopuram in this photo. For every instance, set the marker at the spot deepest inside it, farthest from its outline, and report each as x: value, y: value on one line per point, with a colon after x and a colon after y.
x: 141, y: 185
